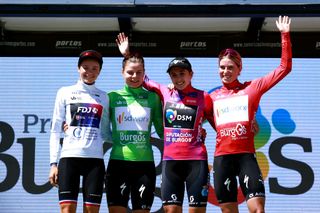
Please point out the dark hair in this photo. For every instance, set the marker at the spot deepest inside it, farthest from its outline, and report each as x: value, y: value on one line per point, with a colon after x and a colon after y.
x: 90, y: 54
x: 133, y: 57
x: 232, y: 55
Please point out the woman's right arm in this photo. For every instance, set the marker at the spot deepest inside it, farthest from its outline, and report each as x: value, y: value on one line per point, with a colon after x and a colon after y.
x: 271, y: 79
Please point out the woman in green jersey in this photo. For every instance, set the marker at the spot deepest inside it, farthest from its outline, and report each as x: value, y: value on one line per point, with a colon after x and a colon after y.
x: 131, y: 171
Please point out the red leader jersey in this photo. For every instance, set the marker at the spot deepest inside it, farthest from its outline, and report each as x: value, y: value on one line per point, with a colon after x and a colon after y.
x: 235, y: 106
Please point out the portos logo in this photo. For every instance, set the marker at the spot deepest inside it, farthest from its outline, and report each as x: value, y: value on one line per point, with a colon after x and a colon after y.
x: 193, y: 44
x: 68, y: 44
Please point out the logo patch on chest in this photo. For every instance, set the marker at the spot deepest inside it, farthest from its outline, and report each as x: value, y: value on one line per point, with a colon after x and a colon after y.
x: 180, y: 115
x: 229, y: 110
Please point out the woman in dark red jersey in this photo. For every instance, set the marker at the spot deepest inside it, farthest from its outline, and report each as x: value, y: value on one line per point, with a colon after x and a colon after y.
x: 235, y: 105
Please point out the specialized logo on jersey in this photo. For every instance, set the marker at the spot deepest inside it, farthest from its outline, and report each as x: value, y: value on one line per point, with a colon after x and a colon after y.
x: 85, y: 114
x: 133, y: 117
x: 141, y: 190
x: 180, y: 115
x: 123, y: 187
x: 246, y: 181
x: 234, y: 109
x: 227, y: 184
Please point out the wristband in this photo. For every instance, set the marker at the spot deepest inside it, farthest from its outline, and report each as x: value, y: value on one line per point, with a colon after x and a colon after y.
x: 53, y: 164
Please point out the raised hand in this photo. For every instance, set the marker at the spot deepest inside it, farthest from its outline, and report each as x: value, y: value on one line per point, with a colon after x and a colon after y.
x: 123, y: 44
x: 283, y: 24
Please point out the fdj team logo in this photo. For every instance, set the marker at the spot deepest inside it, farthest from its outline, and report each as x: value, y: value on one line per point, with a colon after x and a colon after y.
x: 171, y: 115
x: 283, y: 123
x: 85, y: 114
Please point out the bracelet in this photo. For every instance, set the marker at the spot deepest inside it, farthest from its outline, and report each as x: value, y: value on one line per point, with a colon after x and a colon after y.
x: 53, y: 164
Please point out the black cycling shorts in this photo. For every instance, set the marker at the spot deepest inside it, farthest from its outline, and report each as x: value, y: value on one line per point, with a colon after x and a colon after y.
x: 176, y: 174
x: 244, y: 166
x: 131, y: 178
x: 92, y: 171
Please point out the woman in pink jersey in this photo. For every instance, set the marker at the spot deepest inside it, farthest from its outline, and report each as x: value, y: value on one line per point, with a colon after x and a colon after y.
x: 235, y: 105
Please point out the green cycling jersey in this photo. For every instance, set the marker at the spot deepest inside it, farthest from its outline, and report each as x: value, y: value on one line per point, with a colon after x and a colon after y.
x: 132, y: 113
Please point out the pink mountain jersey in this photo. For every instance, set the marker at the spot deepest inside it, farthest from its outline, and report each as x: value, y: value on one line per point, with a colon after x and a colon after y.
x: 235, y: 106
x: 184, y: 112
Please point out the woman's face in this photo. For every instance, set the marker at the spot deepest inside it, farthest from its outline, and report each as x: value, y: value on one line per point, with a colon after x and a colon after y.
x: 228, y: 70
x: 180, y: 77
x: 133, y: 74
x: 89, y: 71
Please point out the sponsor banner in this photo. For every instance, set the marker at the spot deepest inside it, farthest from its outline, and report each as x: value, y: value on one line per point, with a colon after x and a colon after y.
x: 306, y: 45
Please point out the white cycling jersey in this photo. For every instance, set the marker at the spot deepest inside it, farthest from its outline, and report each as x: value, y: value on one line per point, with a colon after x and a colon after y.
x: 85, y: 109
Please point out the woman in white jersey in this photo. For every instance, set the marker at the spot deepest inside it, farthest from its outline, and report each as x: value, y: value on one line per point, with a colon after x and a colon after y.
x: 84, y: 108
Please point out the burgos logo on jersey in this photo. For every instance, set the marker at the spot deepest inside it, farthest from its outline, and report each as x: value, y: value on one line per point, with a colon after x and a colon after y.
x: 238, y: 130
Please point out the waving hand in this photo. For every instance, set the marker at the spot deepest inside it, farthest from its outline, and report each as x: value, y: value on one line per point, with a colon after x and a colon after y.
x: 123, y: 44
x: 283, y: 24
